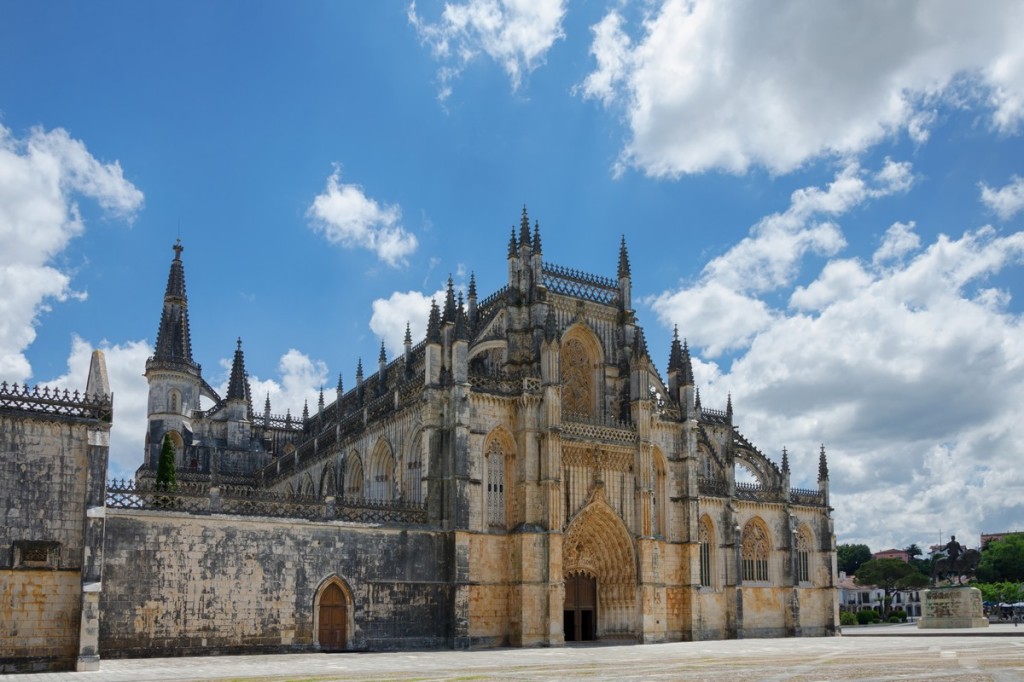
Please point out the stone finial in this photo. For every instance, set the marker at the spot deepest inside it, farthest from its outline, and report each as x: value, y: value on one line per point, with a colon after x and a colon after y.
x: 174, y: 338
x: 97, y: 384
x: 461, y: 324
x: 449, y: 303
x: 675, y: 354
x: 320, y: 402
x: 536, y: 237
x: 305, y: 411
x: 524, y: 230
x: 785, y: 461
x: 341, y: 386
x: 822, y: 465
x: 266, y: 409
x: 383, y: 357
x: 696, y: 399
x: 407, y: 342
x: 359, y: 371
x: 728, y: 405
x: 639, y: 344
x: 434, y: 323
x: 687, y: 379
x: 551, y: 324
x: 513, y: 248
x: 178, y: 248
x: 237, y: 383
x: 472, y: 286
x: 623, y: 259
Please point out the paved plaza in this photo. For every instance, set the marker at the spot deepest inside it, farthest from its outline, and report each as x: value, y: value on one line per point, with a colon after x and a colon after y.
x: 995, y: 654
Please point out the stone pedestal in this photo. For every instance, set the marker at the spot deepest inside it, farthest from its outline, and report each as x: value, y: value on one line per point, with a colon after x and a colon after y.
x: 952, y: 607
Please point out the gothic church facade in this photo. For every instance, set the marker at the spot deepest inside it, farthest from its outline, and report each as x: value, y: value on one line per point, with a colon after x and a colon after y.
x: 524, y: 475
x: 579, y: 494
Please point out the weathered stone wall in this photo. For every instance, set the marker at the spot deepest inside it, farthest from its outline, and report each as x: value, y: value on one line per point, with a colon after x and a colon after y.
x: 43, y: 466
x: 177, y: 584
x: 39, y: 617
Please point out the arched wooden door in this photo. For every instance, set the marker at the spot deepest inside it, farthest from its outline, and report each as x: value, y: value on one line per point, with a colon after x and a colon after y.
x: 333, y: 619
x: 579, y: 617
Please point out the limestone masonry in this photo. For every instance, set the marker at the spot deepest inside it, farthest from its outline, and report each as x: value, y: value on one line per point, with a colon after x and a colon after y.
x: 522, y: 476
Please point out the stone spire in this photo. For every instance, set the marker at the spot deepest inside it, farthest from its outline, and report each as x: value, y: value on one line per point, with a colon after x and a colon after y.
x: 512, y: 246
x: 728, y: 406
x: 359, y: 372
x: 696, y: 400
x: 623, y: 259
x: 341, y: 387
x: 675, y: 355
x: 434, y: 323
x: 536, y: 237
x: 461, y: 324
x: 236, y: 385
x: 449, y: 303
x: 97, y: 385
x: 320, y: 402
x: 639, y: 344
x: 822, y: 465
x: 551, y: 325
x: 524, y: 230
x: 687, y: 366
x: 472, y: 287
x: 471, y: 302
x: 383, y: 357
x: 174, y: 339
x: 266, y: 412
x: 305, y: 412
x: 785, y: 461
x: 407, y: 341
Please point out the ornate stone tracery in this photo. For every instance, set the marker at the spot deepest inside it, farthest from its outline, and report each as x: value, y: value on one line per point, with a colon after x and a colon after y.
x: 755, y: 550
x: 577, y: 389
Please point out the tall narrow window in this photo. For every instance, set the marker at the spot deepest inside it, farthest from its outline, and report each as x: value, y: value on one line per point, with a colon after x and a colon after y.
x: 704, y: 535
x: 414, y: 472
x: 660, y: 495
x: 495, y: 464
x: 754, y: 552
x: 577, y: 389
x: 803, y: 557
x: 354, y: 476
x: 382, y: 468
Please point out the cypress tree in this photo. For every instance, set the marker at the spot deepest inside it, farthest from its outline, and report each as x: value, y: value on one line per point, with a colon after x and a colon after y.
x: 165, y: 479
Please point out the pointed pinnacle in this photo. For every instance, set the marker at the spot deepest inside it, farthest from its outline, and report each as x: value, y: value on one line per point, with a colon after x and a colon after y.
x: 383, y: 357
x: 472, y: 286
x: 449, y: 302
x: 434, y: 323
x: 675, y: 355
x: 536, y: 237
x: 623, y: 259
x: 728, y: 405
x: 341, y: 385
x: 512, y: 246
x: 696, y: 400
x: 785, y: 461
x: 524, y: 229
x: 359, y: 370
x: 822, y: 465
x: 408, y: 335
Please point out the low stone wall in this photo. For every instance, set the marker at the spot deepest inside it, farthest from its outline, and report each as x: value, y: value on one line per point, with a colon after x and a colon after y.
x: 181, y: 584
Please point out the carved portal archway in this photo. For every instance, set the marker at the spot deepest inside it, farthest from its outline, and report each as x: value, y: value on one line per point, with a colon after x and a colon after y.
x: 332, y: 615
x: 597, y: 544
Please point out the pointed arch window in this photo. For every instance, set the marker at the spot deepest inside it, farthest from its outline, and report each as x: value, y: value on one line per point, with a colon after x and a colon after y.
x: 414, y: 472
x: 803, y: 556
x: 705, y: 534
x: 354, y: 476
x: 382, y: 467
x: 577, y: 379
x: 754, y: 551
x: 495, y: 494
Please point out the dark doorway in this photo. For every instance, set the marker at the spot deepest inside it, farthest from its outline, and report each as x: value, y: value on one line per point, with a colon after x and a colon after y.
x: 579, y: 616
x: 333, y: 619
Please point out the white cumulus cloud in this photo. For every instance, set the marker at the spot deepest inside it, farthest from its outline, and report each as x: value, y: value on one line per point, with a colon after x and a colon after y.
x: 907, y: 364
x: 346, y: 216
x: 515, y: 33
x: 726, y: 85
x: 1006, y: 201
x: 298, y: 382
x: 42, y: 176
x: 124, y: 362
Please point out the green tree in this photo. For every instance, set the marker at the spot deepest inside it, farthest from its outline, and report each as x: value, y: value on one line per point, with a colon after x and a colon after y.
x: 891, y: 575
x: 850, y: 557
x: 1002, y: 560
x: 1002, y: 592
x: 912, y: 550
x: 165, y: 478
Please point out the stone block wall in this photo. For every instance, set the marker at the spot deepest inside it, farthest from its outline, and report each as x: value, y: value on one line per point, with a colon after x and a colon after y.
x: 39, y: 617
x: 179, y: 584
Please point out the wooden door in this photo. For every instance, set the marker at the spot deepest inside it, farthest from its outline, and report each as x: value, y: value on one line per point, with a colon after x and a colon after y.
x: 579, y: 615
x: 333, y: 619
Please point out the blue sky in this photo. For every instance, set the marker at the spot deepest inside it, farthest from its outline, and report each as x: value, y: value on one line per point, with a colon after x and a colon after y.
x: 825, y: 198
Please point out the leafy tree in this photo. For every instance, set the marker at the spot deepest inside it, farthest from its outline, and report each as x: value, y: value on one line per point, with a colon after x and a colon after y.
x: 1002, y: 560
x: 165, y: 478
x: 891, y: 575
x: 850, y: 557
x: 1003, y: 592
x: 912, y: 550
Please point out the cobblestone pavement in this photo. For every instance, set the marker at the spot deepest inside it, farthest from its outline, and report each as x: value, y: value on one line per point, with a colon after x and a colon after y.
x: 863, y: 655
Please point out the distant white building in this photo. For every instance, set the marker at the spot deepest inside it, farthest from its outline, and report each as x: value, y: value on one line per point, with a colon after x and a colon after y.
x: 854, y: 598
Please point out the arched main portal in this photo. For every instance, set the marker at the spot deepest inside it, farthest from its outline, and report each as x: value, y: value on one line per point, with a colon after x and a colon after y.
x: 579, y: 617
x: 333, y: 613
x: 598, y: 559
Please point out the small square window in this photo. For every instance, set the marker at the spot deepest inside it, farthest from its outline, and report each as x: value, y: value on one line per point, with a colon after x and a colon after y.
x: 36, y: 554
